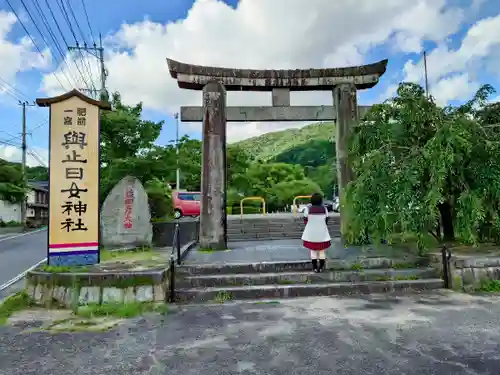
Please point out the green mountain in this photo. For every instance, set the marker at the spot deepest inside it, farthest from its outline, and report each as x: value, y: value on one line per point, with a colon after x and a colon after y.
x: 269, y: 146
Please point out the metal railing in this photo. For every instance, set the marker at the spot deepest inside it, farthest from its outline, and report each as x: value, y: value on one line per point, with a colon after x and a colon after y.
x: 445, y: 258
x: 294, y: 204
x: 176, y: 247
x: 262, y: 200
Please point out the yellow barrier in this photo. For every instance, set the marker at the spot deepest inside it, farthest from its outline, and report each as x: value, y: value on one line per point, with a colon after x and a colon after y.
x: 253, y: 198
x: 294, y: 205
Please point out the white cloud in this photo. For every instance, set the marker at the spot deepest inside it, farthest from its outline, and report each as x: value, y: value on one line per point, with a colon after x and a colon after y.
x: 35, y: 156
x: 269, y: 34
x: 452, y: 73
x: 17, y: 56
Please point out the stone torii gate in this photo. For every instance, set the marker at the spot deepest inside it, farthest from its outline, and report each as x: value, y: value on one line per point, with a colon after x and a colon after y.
x: 342, y: 82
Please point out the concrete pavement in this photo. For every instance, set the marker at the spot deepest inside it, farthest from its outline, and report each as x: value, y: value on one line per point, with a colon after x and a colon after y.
x: 19, y: 253
x: 439, y: 333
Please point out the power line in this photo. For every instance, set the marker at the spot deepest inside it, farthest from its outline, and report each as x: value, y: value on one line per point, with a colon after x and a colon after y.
x: 63, y: 37
x: 97, y: 52
x: 8, y: 92
x: 66, y: 17
x: 44, y: 122
x: 35, y: 155
x: 88, y: 23
x: 89, y: 68
x: 13, y: 89
x: 9, y: 143
x: 24, y: 150
x: 46, y: 23
x: 76, y: 20
x: 31, y: 38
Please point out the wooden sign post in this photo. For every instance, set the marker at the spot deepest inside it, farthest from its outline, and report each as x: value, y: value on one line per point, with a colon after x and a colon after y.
x: 74, y: 160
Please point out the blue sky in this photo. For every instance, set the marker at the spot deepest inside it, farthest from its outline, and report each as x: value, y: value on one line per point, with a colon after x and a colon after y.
x: 261, y: 34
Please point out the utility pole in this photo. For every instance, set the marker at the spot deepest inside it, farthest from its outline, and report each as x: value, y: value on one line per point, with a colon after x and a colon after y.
x: 425, y: 74
x: 23, y: 160
x: 97, y: 52
x: 178, y: 171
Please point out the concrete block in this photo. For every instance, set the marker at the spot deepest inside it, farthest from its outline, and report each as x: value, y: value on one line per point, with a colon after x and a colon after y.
x: 112, y: 295
x: 144, y: 293
x: 89, y: 295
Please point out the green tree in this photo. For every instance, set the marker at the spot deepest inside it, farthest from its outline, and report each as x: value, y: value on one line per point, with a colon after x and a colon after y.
x: 424, y: 169
x: 124, y: 133
x: 314, y: 153
x: 238, y: 161
x: 489, y: 114
x: 260, y: 177
x: 190, y: 154
x: 13, y: 185
x: 283, y: 193
x: 160, y: 198
x: 127, y: 146
x: 38, y: 173
x: 325, y: 176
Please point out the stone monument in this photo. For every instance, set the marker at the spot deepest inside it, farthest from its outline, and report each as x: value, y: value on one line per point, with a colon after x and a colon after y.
x: 125, y: 216
x: 343, y: 83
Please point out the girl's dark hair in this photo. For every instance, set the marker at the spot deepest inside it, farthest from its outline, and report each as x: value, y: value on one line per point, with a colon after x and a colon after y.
x: 316, y: 199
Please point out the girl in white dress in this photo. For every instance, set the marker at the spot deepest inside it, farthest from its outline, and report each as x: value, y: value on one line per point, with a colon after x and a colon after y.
x: 316, y: 237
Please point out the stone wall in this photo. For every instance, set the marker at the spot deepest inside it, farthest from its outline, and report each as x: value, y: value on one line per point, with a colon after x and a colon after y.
x: 163, y: 232
x: 73, y: 289
x: 467, y: 273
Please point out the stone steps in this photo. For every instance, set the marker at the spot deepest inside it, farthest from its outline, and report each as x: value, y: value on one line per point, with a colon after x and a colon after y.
x: 273, y: 229
x: 305, y: 277
x: 267, y: 280
x: 271, y: 236
x: 221, y: 294
x: 299, y: 265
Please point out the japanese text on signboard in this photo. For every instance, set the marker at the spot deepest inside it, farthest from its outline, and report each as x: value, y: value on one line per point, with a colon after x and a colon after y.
x: 74, y: 142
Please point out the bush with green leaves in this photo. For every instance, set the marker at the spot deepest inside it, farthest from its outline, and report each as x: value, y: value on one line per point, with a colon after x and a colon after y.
x: 422, y: 169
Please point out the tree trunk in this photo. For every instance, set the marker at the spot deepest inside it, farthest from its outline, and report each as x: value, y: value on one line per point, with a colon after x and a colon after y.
x: 446, y: 221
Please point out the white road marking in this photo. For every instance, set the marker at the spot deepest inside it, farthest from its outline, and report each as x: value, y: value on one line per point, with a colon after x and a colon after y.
x: 20, y: 276
x: 22, y: 234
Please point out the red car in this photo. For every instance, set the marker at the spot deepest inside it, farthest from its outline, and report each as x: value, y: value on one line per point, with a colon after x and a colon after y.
x: 186, y: 203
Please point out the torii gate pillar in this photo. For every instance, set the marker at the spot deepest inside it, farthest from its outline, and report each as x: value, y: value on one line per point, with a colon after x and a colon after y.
x: 213, y: 216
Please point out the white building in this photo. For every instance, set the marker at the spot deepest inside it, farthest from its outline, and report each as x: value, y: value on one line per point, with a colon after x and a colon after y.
x: 37, y: 206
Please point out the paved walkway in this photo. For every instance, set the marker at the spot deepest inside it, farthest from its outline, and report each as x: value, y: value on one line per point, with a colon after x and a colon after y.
x: 285, y: 250
x: 421, y: 335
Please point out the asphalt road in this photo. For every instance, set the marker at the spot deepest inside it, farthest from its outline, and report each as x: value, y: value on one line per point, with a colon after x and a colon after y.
x: 20, y: 253
x: 440, y: 333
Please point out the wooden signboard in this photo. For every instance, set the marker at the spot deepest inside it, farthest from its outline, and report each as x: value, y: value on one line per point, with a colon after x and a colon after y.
x: 74, y: 159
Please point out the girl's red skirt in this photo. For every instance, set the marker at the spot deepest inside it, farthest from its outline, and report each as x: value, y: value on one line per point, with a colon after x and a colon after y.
x: 317, y: 246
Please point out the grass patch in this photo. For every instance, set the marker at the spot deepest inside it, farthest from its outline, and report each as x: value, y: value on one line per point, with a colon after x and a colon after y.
x: 409, y: 277
x: 120, y: 310
x: 14, y: 303
x: 490, y: 286
x: 140, y: 253
x: 207, y: 250
x: 383, y: 278
x: 286, y: 282
x: 64, y: 269
x: 356, y: 267
x: 480, y: 248
x: 403, y: 265
x: 222, y: 297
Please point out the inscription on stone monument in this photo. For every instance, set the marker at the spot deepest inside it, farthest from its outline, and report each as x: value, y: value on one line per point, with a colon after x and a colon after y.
x: 125, y: 215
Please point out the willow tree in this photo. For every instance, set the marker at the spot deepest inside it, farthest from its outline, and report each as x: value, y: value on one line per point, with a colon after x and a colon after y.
x: 424, y: 169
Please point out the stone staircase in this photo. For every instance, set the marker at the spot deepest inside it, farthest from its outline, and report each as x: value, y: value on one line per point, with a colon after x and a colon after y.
x: 271, y: 228
x: 273, y: 280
